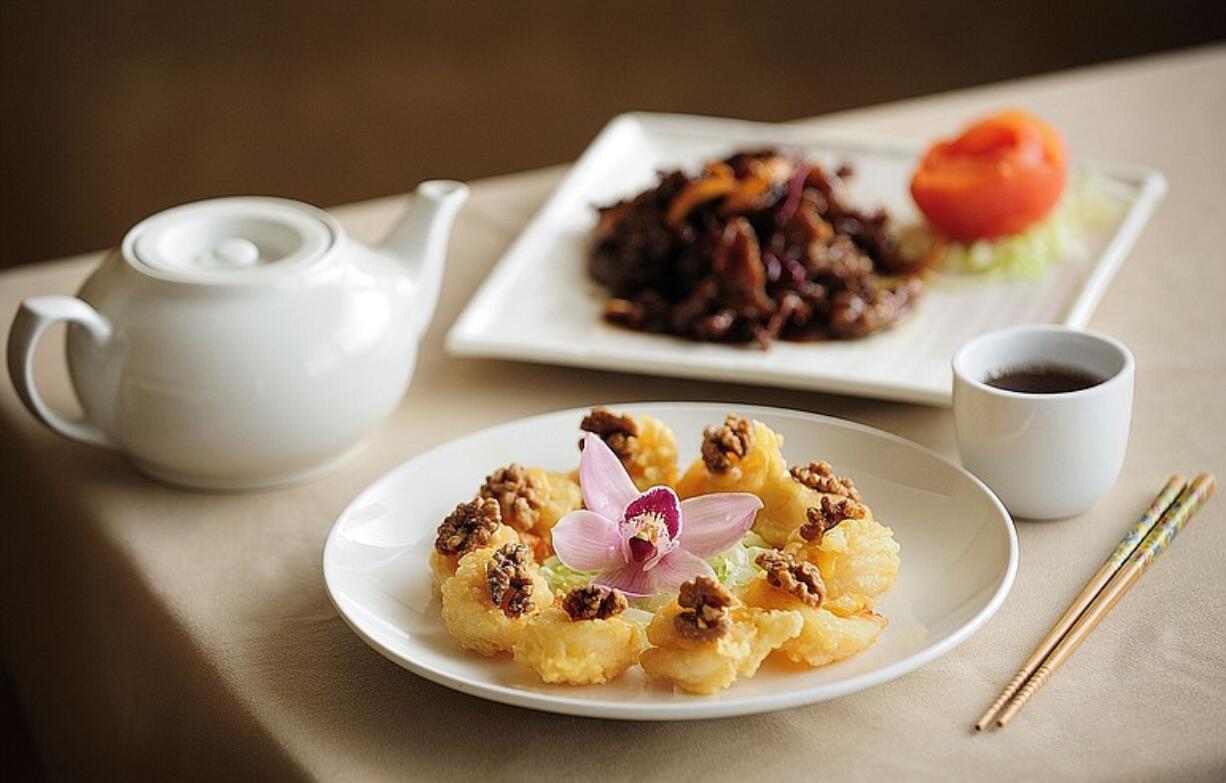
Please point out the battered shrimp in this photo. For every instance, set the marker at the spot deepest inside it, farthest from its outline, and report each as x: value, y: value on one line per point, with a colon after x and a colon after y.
x: 857, y: 556
x: 646, y: 446
x: 826, y: 637
x: 585, y: 641
x: 788, y: 495
x: 532, y: 500
x: 473, y: 525
x: 706, y: 639
x: 492, y: 598
x: 738, y: 456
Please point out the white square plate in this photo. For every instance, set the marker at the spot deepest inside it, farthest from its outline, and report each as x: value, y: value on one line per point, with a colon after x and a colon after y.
x: 539, y: 305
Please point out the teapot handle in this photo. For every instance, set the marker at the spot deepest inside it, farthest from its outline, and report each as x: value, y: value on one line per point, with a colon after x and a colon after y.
x: 35, y: 316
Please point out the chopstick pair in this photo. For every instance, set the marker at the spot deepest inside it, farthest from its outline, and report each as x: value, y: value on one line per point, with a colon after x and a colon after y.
x: 1156, y: 528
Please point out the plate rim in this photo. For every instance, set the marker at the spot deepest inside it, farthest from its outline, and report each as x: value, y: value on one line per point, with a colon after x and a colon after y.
x: 699, y: 708
x: 465, y: 339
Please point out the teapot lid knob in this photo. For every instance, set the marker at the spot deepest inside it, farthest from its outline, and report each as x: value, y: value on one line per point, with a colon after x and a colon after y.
x: 236, y: 251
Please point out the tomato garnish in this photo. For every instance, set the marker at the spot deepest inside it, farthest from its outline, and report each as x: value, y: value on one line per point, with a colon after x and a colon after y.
x: 1000, y: 176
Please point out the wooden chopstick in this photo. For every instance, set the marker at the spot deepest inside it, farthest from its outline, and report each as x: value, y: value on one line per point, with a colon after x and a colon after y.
x: 1182, y: 510
x: 1174, y: 486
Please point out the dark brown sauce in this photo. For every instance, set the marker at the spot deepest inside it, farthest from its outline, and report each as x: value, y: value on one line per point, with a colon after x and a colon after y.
x: 1043, y: 379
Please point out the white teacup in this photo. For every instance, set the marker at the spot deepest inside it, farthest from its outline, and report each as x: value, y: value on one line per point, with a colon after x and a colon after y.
x: 1045, y: 455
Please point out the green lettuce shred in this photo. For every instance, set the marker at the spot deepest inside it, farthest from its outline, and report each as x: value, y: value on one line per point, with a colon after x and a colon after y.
x: 563, y: 579
x: 735, y: 567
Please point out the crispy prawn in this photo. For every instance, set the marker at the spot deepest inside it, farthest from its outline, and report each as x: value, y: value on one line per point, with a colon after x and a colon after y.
x: 471, y: 526
x: 706, y: 639
x: 857, y: 556
x: 532, y: 500
x: 788, y: 495
x: 493, y: 596
x: 738, y: 456
x: 790, y: 585
x: 645, y: 445
x: 584, y: 641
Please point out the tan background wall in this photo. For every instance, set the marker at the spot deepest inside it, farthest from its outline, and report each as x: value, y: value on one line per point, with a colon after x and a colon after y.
x: 111, y: 111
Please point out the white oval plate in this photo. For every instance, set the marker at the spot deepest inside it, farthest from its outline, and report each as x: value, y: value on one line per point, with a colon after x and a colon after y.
x: 959, y: 555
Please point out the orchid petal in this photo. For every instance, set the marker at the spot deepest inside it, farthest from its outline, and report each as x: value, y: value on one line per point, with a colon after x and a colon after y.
x: 587, y: 541
x: 607, y: 488
x: 673, y: 569
x: 714, y: 523
x: 658, y: 500
x: 676, y: 567
x: 630, y: 579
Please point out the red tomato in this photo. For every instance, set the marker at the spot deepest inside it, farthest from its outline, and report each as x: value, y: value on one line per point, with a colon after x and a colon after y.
x: 1003, y: 174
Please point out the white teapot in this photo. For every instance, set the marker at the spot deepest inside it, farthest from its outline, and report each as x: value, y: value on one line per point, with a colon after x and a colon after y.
x: 243, y: 342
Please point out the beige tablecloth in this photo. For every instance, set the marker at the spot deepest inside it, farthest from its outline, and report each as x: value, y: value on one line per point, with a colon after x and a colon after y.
x: 153, y: 633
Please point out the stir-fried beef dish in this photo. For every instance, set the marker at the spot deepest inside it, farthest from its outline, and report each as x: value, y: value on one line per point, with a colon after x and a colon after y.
x: 758, y: 247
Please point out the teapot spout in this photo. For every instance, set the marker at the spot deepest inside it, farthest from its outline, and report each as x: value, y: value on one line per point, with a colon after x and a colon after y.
x: 419, y: 242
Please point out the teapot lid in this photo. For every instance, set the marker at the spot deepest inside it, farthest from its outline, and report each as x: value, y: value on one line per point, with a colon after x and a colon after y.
x: 230, y: 239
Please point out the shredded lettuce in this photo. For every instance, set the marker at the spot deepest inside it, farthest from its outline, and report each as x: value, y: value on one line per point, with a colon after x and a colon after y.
x: 563, y: 579
x: 1091, y: 203
x: 735, y: 567
x: 754, y: 541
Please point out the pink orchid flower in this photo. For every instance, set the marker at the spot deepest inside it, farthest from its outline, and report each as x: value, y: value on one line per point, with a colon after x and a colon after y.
x: 645, y: 543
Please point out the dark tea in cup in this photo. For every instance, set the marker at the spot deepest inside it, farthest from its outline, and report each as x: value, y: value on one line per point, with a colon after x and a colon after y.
x: 1043, y: 379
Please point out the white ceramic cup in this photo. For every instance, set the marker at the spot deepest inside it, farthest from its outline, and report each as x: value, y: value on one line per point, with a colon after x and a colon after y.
x: 1046, y: 456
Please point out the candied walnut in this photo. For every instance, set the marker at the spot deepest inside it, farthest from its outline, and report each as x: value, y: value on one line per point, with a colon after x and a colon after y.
x: 594, y: 602
x: 470, y: 526
x: 508, y: 580
x: 802, y: 580
x: 616, y: 431
x: 706, y: 605
x: 828, y: 515
x: 820, y: 477
x: 518, y: 495
x: 733, y: 438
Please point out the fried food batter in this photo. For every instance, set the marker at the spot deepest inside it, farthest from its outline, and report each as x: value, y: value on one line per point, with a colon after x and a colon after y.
x: 532, y: 501
x: 518, y: 493
x: 474, y: 619
x: 786, y: 494
x: 761, y: 464
x: 563, y: 648
x: 858, y: 559
x: 786, y: 501
x: 825, y: 637
x: 709, y: 666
